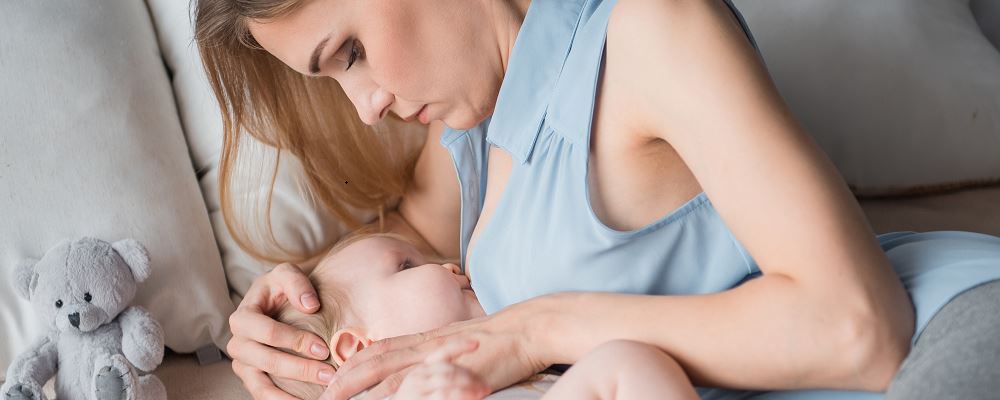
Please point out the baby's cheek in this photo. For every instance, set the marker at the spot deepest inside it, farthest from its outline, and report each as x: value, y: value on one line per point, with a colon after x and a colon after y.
x: 429, y: 307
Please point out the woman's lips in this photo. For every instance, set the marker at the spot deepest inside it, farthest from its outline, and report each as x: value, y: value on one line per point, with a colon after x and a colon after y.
x: 415, y: 115
x: 423, y: 116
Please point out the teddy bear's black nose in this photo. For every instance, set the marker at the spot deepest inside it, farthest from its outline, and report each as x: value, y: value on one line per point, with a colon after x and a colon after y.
x: 74, y: 319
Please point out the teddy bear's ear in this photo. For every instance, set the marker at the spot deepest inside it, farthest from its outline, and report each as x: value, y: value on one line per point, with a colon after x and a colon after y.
x: 135, y: 256
x: 25, y: 277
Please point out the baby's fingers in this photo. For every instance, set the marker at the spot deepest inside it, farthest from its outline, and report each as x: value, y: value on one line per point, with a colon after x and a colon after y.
x: 451, y: 350
x: 456, y: 383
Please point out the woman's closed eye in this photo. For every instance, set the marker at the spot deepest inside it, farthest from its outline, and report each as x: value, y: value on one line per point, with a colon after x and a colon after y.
x: 355, y: 51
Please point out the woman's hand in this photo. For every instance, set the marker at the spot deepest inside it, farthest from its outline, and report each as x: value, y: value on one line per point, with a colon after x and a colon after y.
x: 439, y: 378
x: 255, y: 334
x: 512, y: 345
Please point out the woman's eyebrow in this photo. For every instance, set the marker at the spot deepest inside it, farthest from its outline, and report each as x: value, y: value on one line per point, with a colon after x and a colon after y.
x: 314, y: 58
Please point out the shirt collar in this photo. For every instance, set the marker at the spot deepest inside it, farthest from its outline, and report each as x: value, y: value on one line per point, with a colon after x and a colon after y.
x: 534, y: 67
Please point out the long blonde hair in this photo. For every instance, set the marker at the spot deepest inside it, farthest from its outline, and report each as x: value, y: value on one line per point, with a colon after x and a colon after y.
x: 349, y: 166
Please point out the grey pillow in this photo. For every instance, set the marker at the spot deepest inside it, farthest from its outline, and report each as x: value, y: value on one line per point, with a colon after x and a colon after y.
x: 903, y: 95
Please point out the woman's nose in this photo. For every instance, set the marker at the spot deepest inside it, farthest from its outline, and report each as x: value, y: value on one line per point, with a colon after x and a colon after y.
x: 371, y: 100
x: 381, y: 99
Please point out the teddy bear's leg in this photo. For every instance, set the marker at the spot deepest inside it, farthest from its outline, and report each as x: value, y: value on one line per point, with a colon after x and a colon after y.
x: 30, y: 370
x: 23, y: 392
x: 114, y: 378
x: 150, y: 388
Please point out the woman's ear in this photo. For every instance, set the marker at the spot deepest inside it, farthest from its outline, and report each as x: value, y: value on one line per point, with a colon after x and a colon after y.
x: 347, y: 342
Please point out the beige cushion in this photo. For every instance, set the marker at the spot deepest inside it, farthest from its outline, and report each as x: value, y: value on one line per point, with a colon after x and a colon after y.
x: 903, y: 95
x: 92, y: 146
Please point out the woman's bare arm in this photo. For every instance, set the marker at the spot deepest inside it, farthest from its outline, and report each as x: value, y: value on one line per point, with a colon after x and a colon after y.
x: 828, y: 311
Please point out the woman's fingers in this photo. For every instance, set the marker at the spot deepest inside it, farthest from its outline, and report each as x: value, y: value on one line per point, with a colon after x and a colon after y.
x: 382, y: 347
x: 256, y: 327
x: 384, y: 389
x: 296, y: 287
x: 379, y: 362
x: 258, y: 383
x: 451, y: 350
x: 279, y: 363
x: 254, y: 331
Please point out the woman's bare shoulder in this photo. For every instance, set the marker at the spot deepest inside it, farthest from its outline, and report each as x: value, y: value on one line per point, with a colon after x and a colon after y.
x: 431, y: 205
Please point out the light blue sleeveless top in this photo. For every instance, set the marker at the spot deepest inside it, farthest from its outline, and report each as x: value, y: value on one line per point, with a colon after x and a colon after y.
x: 543, y: 236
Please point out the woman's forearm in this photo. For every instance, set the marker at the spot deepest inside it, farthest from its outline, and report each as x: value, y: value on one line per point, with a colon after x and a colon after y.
x: 769, y: 333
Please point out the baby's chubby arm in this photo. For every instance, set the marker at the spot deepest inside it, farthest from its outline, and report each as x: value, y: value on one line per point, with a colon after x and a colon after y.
x: 142, y: 338
x: 32, y: 368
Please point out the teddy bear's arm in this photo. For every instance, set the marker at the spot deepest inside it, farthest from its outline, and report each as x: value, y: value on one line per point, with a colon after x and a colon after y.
x: 35, y: 366
x: 142, y: 338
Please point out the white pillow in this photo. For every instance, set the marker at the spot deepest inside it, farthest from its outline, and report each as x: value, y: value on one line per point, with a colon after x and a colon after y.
x: 91, y: 145
x: 903, y: 95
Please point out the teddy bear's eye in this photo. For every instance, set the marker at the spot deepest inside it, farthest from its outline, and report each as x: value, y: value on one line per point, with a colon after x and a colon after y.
x: 86, y: 297
x: 58, y: 303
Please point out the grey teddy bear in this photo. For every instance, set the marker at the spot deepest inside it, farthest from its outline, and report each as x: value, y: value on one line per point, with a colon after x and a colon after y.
x: 97, y: 346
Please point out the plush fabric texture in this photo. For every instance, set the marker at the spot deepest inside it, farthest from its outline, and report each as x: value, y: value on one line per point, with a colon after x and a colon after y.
x: 903, y: 95
x: 96, y: 344
x: 92, y: 146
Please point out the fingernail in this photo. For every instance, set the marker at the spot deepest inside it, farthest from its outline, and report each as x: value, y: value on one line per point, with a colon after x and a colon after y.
x: 318, y: 350
x: 325, y: 376
x: 310, y: 301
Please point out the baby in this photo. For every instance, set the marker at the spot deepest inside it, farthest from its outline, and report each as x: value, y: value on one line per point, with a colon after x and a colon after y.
x: 375, y: 286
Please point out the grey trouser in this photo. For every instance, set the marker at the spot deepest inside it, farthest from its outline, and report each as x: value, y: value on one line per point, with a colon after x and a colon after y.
x: 958, y: 354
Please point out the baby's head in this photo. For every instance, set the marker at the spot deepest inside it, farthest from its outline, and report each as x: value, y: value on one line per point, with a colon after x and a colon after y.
x: 376, y: 286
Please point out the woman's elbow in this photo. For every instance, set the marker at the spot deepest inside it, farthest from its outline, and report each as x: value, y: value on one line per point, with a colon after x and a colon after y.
x: 875, y: 345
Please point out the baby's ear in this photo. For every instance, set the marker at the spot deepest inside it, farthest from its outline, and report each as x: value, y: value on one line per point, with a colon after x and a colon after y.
x: 346, y: 343
x: 25, y: 277
x: 135, y: 256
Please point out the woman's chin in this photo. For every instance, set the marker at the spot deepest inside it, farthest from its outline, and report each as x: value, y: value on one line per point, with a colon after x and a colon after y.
x: 461, y: 123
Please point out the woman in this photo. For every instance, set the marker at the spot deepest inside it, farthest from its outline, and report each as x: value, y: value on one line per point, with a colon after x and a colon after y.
x: 591, y: 134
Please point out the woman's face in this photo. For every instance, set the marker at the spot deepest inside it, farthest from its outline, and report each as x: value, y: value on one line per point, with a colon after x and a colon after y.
x: 421, y: 60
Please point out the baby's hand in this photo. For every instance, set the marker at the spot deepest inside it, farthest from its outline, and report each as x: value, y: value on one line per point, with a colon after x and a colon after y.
x: 438, y: 378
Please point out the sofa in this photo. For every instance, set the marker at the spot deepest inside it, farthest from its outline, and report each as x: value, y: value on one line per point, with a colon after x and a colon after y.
x: 108, y: 128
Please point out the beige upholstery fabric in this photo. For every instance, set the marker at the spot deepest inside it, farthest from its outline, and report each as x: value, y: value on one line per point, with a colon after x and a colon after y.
x: 186, y: 380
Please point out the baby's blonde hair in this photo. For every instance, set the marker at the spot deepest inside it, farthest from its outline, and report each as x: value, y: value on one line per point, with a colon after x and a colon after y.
x: 333, y: 307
